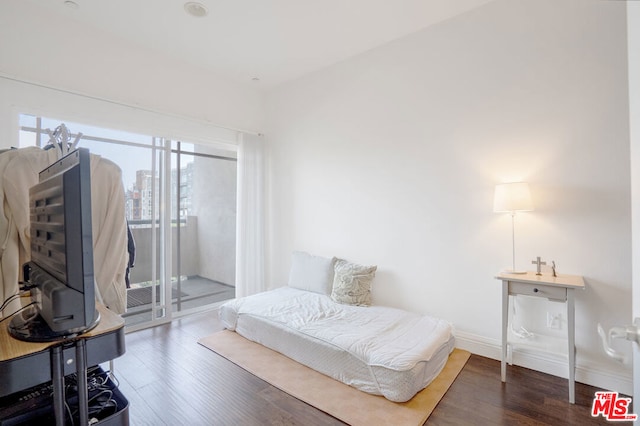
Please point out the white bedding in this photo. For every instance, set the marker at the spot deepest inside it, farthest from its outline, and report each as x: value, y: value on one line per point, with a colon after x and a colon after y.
x: 379, y: 350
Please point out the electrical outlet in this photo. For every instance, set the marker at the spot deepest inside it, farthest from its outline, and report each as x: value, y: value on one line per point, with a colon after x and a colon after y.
x: 554, y: 320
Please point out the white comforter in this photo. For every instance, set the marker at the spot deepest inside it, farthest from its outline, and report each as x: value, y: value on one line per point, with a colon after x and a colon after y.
x: 378, y: 336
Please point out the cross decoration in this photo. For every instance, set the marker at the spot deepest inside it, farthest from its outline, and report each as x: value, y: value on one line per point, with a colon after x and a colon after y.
x: 538, y: 264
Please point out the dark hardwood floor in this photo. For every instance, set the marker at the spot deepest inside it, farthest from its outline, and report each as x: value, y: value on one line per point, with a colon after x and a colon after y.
x: 170, y: 379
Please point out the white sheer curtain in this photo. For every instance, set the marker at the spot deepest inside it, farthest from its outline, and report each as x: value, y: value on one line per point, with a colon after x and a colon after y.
x: 250, y: 234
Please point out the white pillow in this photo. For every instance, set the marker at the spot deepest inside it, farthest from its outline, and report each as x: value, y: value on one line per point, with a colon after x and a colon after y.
x: 311, y: 273
x: 352, y: 283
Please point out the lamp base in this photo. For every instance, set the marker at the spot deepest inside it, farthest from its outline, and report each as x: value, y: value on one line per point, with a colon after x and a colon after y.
x: 511, y: 271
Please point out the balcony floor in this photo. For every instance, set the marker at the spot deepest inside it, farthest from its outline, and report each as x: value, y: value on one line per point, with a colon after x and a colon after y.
x: 194, y: 292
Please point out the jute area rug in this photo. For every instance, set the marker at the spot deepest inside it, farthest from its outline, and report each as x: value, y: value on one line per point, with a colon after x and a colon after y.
x: 331, y: 396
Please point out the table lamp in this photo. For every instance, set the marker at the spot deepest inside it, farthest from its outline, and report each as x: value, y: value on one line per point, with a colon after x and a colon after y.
x: 511, y: 198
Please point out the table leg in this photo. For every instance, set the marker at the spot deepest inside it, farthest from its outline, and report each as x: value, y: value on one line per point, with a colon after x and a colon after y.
x: 81, y: 371
x: 571, y: 338
x: 505, y: 321
x: 57, y: 381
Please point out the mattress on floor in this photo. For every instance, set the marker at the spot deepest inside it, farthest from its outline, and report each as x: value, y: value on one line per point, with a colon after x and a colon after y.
x: 379, y: 350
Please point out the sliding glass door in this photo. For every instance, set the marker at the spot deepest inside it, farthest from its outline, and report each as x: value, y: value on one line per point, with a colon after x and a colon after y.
x: 180, y: 205
x: 204, y: 213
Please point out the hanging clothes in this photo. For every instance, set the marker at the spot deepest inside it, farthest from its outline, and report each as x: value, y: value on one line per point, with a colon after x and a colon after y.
x: 131, y: 249
x: 110, y: 255
x: 9, y: 244
x: 107, y: 216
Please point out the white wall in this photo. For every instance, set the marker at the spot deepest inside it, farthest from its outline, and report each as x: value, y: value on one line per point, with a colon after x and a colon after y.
x: 56, y: 51
x: 391, y: 157
x: 633, y: 25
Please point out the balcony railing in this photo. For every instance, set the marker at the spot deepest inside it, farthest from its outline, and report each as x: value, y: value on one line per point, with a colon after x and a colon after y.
x: 189, y: 248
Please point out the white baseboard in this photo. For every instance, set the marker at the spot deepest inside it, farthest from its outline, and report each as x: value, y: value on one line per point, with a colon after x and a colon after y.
x: 546, y: 363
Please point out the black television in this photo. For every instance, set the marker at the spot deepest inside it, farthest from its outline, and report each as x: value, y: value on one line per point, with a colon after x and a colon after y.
x: 60, y: 273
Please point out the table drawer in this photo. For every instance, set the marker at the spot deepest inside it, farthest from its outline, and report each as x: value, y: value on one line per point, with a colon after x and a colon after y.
x: 538, y: 290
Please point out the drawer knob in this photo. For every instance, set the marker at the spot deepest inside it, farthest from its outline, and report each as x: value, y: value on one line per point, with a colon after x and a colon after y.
x: 535, y: 290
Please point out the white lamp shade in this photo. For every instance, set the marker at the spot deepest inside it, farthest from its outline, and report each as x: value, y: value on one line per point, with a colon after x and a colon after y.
x: 512, y: 197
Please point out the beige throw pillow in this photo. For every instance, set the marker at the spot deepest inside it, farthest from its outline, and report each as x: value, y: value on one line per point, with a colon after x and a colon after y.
x: 352, y: 283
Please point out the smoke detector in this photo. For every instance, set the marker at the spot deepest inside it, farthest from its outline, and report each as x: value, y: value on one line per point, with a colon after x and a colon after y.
x: 196, y: 9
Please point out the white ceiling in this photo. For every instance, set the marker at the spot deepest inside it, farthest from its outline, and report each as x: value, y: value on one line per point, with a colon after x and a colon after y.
x: 272, y: 40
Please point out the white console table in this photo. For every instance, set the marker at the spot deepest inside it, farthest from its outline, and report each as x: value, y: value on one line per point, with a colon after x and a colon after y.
x: 558, y: 288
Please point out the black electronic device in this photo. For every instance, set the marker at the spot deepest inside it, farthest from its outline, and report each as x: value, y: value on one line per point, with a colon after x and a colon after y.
x: 60, y: 272
x: 34, y: 406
